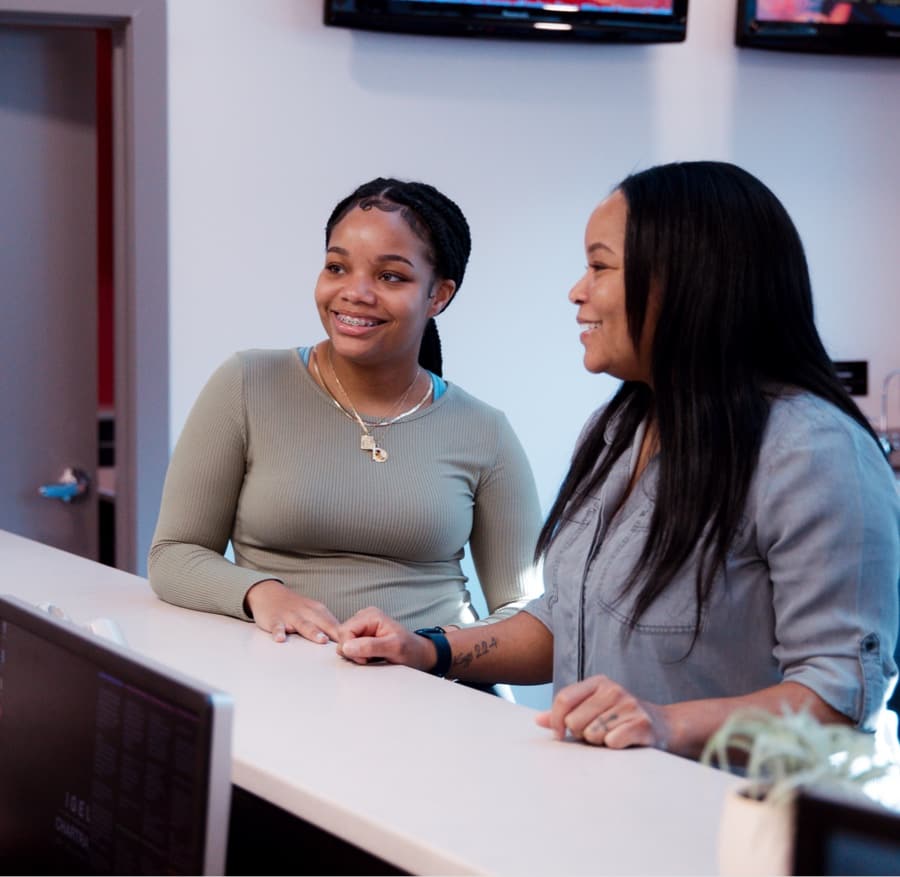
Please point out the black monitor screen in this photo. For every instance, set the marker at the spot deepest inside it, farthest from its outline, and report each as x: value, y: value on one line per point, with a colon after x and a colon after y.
x: 108, y: 764
x: 837, y: 835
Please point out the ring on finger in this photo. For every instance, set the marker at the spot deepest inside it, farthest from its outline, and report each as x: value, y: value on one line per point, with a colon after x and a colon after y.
x: 605, y: 724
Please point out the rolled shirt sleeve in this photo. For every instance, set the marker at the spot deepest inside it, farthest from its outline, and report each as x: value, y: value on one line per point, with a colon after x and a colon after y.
x: 828, y: 526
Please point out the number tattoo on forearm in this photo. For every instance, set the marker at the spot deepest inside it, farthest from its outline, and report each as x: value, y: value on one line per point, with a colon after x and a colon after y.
x: 478, y: 651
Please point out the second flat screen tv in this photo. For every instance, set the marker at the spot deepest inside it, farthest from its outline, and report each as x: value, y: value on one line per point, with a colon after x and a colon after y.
x: 845, y: 27
x: 622, y: 21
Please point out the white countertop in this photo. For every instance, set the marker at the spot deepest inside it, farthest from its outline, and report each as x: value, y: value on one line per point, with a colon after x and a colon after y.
x: 431, y: 776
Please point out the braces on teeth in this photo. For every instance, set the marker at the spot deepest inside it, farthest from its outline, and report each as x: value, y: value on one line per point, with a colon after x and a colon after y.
x: 356, y: 321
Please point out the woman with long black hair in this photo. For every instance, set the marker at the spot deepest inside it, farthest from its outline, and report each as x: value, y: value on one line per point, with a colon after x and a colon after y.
x: 728, y: 533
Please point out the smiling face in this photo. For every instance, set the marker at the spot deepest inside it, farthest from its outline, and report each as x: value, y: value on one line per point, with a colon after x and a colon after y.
x: 378, y: 288
x: 600, y: 297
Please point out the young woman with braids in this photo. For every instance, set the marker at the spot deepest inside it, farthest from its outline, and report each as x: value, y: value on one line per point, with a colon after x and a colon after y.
x: 350, y: 473
x: 728, y: 533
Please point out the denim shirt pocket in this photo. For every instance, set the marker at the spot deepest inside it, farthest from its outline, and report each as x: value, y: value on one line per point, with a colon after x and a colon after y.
x: 672, y: 612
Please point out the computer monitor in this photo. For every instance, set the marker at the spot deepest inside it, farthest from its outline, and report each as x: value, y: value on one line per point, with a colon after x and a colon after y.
x: 839, y: 835
x: 110, y: 763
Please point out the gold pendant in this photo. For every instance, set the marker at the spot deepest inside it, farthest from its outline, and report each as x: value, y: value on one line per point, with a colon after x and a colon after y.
x: 367, y: 442
x: 379, y: 455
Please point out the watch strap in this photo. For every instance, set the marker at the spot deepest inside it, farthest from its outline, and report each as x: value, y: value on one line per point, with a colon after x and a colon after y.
x: 442, y: 644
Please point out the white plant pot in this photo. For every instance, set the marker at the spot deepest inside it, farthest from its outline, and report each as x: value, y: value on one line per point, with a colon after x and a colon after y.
x: 755, y: 837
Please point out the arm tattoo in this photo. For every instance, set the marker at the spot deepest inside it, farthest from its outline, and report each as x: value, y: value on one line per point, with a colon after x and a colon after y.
x: 478, y: 651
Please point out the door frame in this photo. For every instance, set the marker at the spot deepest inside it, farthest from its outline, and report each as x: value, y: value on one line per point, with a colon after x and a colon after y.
x: 141, y: 248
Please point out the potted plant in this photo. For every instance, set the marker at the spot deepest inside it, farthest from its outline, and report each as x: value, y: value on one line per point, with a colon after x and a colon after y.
x: 779, y: 754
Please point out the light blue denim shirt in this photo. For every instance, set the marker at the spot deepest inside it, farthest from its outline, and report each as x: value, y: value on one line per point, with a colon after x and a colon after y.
x: 809, y: 592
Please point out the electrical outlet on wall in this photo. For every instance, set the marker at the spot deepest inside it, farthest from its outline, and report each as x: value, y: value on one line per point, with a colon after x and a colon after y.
x: 854, y: 375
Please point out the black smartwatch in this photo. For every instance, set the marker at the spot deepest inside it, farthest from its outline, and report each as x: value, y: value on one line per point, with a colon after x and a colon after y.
x: 442, y: 644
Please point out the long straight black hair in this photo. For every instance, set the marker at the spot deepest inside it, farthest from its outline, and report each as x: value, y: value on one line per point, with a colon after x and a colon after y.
x: 735, y: 320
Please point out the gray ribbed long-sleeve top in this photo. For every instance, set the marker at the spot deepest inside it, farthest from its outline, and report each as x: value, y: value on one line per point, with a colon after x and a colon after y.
x: 267, y: 462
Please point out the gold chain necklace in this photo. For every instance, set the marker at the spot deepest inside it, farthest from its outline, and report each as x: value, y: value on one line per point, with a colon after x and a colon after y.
x: 367, y: 441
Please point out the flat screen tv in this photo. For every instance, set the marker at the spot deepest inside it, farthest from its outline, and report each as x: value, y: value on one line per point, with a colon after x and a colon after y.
x: 846, y: 27
x: 623, y: 21
x: 109, y: 762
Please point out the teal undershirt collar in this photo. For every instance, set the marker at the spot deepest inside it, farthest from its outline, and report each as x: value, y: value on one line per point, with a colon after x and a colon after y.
x: 438, y: 384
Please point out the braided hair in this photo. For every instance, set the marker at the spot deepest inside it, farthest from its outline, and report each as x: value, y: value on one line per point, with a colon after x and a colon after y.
x: 436, y: 220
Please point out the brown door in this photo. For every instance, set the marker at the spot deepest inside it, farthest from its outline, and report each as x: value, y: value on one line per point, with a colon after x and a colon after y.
x: 48, y: 283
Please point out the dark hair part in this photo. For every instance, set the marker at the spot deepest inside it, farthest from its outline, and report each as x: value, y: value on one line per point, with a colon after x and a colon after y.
x: 735, y: 321
x: 432, y: 216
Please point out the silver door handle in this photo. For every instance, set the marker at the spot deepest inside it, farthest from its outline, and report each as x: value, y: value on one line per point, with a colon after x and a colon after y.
x: 73, y: 485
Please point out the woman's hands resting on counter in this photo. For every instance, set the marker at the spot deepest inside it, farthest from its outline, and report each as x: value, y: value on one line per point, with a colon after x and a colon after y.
x: 280, y: 611
x: 597, y: 710
x: 581, y: 709
x: 518, y: 650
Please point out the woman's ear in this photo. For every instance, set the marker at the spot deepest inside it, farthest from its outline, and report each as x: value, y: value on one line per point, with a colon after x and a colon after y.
x: 440, y: 297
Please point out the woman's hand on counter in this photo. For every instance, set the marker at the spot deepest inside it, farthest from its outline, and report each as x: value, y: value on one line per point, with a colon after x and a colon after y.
x: 279, y: 611
x: 600, y: 711
x: 370, y: 635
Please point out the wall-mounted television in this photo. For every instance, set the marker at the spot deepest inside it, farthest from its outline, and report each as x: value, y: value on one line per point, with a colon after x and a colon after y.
x: 623, y: 21
x: 846, y: 27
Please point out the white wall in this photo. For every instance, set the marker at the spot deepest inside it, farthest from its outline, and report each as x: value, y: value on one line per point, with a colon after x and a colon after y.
x: 274, y: 117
